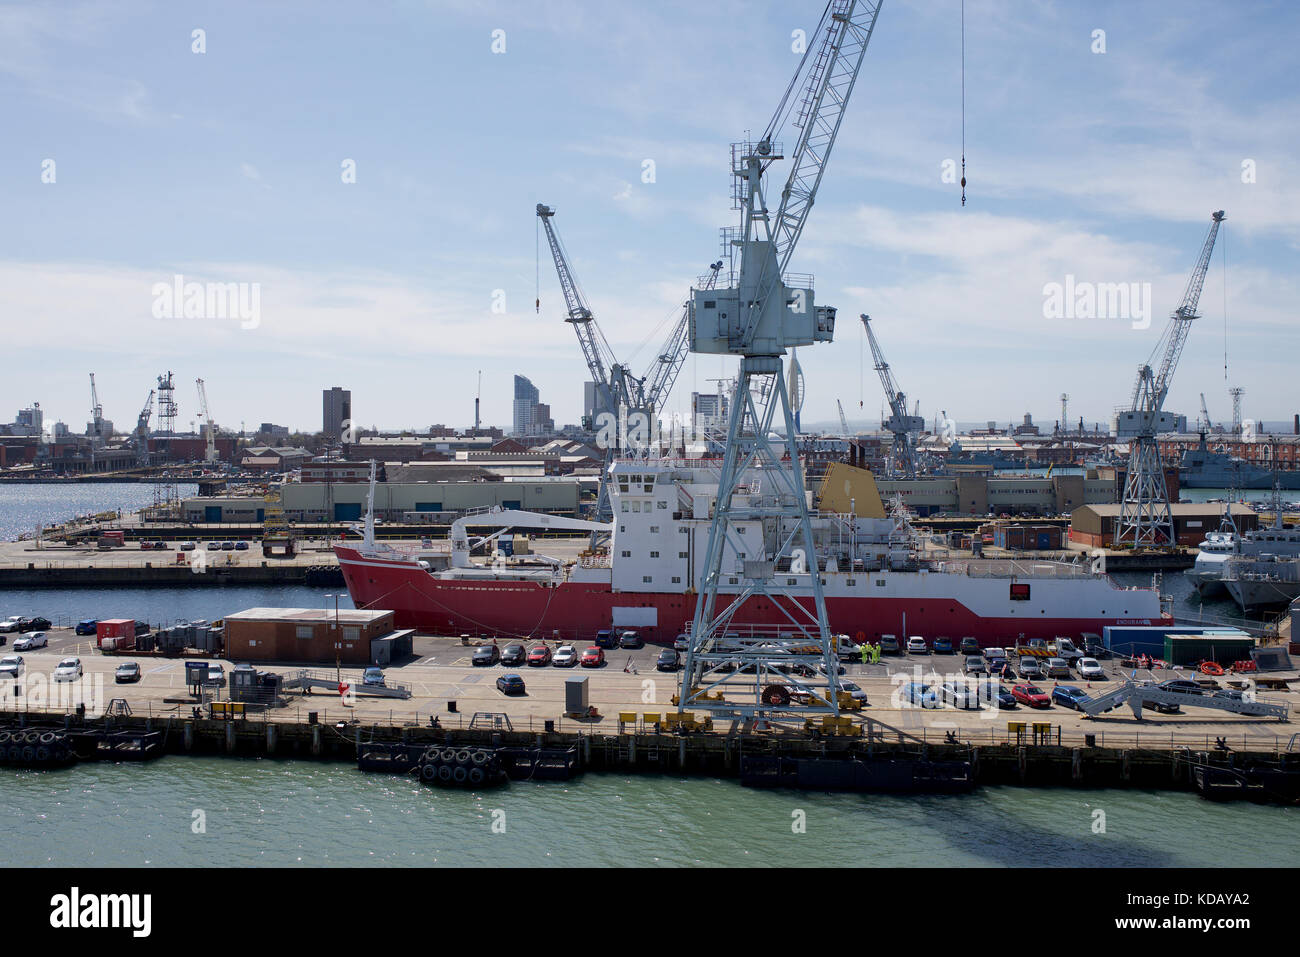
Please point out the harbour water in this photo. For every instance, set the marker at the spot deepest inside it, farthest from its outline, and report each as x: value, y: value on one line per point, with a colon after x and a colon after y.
x: 25, y: 506
x: 301, y: 813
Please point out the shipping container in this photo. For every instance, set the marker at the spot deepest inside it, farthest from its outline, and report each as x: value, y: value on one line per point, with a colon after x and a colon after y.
x: 122, y: 629
x: 1193, y: 649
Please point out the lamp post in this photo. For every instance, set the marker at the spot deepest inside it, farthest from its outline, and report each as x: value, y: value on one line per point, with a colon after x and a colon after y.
x: 334, y: 632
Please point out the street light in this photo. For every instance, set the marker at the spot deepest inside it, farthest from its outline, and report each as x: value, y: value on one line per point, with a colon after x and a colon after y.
x: 334, y: 631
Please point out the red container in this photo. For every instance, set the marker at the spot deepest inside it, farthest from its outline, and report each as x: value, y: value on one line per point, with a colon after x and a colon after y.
x: 120, y: 628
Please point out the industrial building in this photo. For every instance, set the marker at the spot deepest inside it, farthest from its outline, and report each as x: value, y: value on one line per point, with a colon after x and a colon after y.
x: 1094, y: 525
x: 349, y: 636
x: 399, y: 502
x: 981, y: 493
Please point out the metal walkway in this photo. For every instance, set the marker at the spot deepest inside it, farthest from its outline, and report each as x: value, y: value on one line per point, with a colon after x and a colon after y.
x: 1135, y: 695
x: 326, y: 681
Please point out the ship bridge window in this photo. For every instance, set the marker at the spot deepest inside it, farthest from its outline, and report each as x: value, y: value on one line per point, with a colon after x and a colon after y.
x: 1019, y: 591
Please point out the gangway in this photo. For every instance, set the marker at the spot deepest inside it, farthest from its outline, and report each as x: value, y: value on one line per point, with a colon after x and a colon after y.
x: 1135, y: 695
x: 328, y: 681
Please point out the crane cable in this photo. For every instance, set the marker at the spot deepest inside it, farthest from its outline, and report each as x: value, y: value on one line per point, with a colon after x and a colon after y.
x: 537, y: 260
x: 1224, y: 246
x: 963, y: 103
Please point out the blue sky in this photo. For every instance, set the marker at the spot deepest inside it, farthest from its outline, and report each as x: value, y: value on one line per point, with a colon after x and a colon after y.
x: 225, y: 167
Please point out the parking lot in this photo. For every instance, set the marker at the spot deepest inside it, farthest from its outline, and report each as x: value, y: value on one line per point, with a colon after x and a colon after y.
x: 441, y: 672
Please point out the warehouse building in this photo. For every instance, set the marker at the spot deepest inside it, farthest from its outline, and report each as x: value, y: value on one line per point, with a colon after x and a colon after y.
x: 350, y: 636
x: 1094, y: 525
x: 396, y: 502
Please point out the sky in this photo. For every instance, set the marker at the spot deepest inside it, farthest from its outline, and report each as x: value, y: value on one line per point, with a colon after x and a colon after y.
x: 371, y: 172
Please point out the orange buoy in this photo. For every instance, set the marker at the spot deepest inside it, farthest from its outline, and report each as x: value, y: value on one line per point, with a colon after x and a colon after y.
x: 1212, y: 668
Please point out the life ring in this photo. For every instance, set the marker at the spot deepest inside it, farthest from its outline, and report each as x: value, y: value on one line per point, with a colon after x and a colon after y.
x: 1212, y: 668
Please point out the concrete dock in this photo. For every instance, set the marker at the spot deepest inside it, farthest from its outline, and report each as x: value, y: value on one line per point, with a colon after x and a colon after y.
x: 1152, y: 752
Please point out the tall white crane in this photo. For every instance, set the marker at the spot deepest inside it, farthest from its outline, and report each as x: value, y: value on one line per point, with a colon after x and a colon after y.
x: 618, y: 391
x: 210, y: 454
x: 95, y: 427
x: 844, y: 422
x: 759, y: 314
x: 1145, y: 518
x: 1206, y: 424
x: 903, y: 426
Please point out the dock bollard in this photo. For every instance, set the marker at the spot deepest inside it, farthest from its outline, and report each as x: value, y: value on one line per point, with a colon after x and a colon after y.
x: 315, y: 739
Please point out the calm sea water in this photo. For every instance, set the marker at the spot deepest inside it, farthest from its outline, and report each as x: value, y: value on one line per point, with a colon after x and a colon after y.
x: 289, y: 813
x: 25, y: 506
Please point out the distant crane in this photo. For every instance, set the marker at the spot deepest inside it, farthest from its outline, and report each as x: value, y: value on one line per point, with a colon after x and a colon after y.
x: 1206, y: 424
x: 618, y: 391
x: 1065, y: 412
x: 1236, y: 392
x: 477, y: 396
x: 140, y: 437
x: 844, y: 422
x: 904, y: 426
x: 1145, y: 518
x: 95, y: 429
x: 210, y: 455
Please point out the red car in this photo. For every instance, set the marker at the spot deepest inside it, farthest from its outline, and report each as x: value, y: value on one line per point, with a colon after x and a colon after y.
x: 539, y: 655
x: 593, y: 657
x: 1032, y: 696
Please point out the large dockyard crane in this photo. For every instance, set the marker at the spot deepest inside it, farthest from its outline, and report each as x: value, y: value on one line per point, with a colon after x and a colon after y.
x: 210, y: 454
x: 1145, y: 518
x: 1206, y: 424
x: 903, y: 426
x: 760, y: 314
x: 844, y: 422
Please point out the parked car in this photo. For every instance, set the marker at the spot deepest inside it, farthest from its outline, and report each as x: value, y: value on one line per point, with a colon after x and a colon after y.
x: 605, y: 638
x: 1030, y: 668
x: 241, y: 546
x: 917, y: 693
x: 593, y: 657
x: 853, y: 691
x: 1003, y: 696
x: 36, y: 624
x: 839, y: 668
x: 12, y: 666
x: 1058, y: 668
x: 214, y: 546
x: 373, y: 677
x: 127, y: 673
x: 227, y: 546
x: 31, y: 641
x: 566, y: 656
x: 1065, y: 648
x: 539, y: 656
x: 1173, y: 684
x: 146, y: 546
x: 1031, y: 695
x: 960, y: 694
x: 86, y: 626
x: 217, y: 675
x: 668, y: 660
x: 11, y: 623
x: 510, y: 684
x: 889, y: 645
x: 682, y: 643
x: 992, y: 653
x: 969, y: 646
x: 188, y: 546
x: 485, y: 655
x: 943, y: 646
x: 630, y: 639
x: 975, y: 665
x: 1069, y: 696
x: 916, y: 646
x: 514, y: 654
x: 69, y: 669
x: 1091, y: 669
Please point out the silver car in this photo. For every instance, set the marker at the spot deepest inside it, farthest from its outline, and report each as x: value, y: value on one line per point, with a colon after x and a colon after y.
x: 1030, y: 668
x: 11, y: 666
x: 31, y: 640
